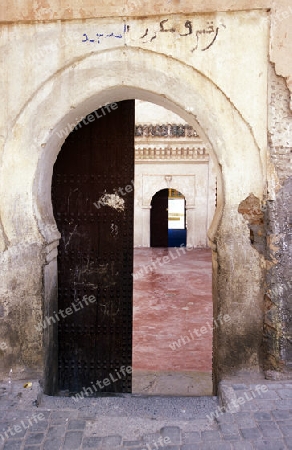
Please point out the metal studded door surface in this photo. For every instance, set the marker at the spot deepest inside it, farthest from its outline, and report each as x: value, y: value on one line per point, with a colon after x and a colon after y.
x: 92, y: 194
x: 159, y: 219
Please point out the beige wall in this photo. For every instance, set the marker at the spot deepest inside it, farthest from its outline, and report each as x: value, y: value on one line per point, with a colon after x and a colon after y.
x: 281, y: 13
x: 50, y: 78
x: 26, y: 10
x: 215, y: 79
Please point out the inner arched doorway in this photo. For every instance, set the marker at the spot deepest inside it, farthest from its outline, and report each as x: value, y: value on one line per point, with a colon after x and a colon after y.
x: 168, y: 219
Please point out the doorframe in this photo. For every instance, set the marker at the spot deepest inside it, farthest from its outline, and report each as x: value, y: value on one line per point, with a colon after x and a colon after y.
x: 185, y: 211
x: 151, y: 217
x: 206, y: 108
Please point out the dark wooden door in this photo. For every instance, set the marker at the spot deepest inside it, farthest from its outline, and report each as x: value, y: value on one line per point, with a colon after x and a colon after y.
x: 159, y: 219
x: 93, y: 199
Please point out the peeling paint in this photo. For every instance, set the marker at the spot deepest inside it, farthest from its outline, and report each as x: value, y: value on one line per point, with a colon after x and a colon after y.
x: 113, y: 201
x: 252, y: 211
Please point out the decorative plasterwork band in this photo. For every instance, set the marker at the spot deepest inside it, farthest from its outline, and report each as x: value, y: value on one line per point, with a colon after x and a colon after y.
x: 165, y: 131
x: 183, y: 154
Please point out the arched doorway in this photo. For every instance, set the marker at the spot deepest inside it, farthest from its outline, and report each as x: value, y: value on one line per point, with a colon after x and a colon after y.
x: 163, y: 83
x: 168, y: 219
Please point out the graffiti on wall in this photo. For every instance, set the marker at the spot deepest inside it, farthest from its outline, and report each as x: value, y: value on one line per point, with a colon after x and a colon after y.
x: 202, y: 37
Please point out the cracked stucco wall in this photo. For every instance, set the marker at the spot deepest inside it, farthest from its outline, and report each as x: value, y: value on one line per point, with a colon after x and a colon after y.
x: 244, y: 89
x: 278, y: 216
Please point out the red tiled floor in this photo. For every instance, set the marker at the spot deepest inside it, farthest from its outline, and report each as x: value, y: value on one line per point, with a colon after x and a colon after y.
x: 169, y: 303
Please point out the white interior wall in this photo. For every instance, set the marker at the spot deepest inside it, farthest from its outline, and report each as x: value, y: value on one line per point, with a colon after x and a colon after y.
x: 192, y: 180
x: 195, y: 180
x: 146, y: 112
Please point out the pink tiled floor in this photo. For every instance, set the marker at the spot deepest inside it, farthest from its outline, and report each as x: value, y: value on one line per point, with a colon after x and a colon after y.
x: 170, y: 302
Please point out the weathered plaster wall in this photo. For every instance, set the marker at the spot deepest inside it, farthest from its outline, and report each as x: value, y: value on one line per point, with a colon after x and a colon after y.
x: 281, y: 11
x: 281, y: 39
x: 278, y: 215
x: 19, y: 10
x: 214, y: 77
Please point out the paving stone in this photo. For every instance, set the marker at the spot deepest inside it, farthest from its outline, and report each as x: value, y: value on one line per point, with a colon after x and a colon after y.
x: 91, y: 442
x: 200, y: 425
x: 266, y: 425
x: 285, y: 393
x: 229, y: 429
x: 17, y: 431
x: 265, y: 405
x: 56, y: 431
x: 261, y: 415
x: 268, y: 395
x: 189, y: 447
x: 44, y: 412
x: 240, y: 387
x: 250, y: 433
x: 135, y: 448
x: 270, y: 445
x: 140, y: 447
x: 13, y: 444
x: 244, y: 420
x: 34, y: 438
x: 191, y: 438
x: 286, y: 428
x: 76, y: 424
x: 262, y: 387
x: 151, y: 437
x: 243, y: 392
x: 17, y: 414
x: 282, y: 404
x: 173, y: 433
x: 282, y: 414
x: 61, y: 416
x: 249, y: 406
x: 39, y: 426
x: 275, y: 386
x: 242, y: 445
x: 230, y: 437
x: 4, y: 424
x: 73, y: 440
x: 31, y: 447
x: 288, y: 443
x: 226, y: 418
x: 171, y: 447
x: 270, y: 430
x: 4, y: 405
x: 85, y: 415
x: 133, y: 444
x: 210, y: 435
x: 113, y: 441
x: 219, y: 446
x: 54, y: 443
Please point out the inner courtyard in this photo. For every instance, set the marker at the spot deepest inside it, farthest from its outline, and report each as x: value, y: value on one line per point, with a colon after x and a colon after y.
x: 173, y: 321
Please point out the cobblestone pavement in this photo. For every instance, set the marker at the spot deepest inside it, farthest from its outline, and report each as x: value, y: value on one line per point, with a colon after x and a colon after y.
x: 261, y: 418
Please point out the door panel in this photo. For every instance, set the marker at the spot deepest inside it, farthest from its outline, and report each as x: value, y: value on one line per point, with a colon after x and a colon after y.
x: 159, y: 219
x: 94, y: 214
